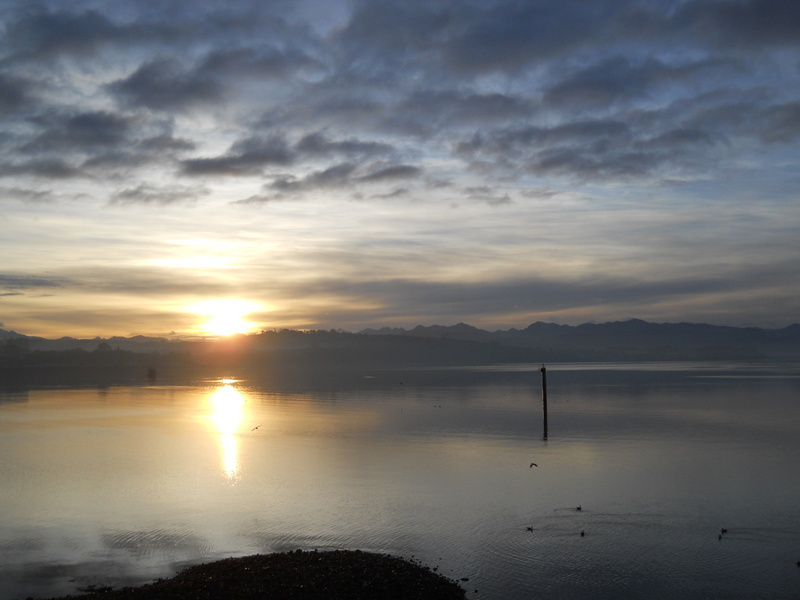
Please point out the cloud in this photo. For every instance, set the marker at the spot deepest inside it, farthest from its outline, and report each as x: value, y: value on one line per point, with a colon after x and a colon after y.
x: 337, y: 175
x: 447, y: 121
x: 41, y: 168
x: 488, y: 195
x: 267, y: 61
x: 28, y: 195
x: 390, y: 31
x: 143, y: 281
x: 12, y: 281
x: 84, y: 131
x: 753, y: 23
x: 458, y: 108
x: 166, y: 142
x: 617, y: 79
x: 45, y: 34
x: 392, y: 173
x: 782, y: 123
x: 246, y: 157
x: 510, y: 36
x: 259, y: 199
x: 162, y: 84
x: 15, y: 93
x: 487, y: 300
x: 593, y: 149
x: 344, y: 175
x: 145, y: 194
x: 317, y: 144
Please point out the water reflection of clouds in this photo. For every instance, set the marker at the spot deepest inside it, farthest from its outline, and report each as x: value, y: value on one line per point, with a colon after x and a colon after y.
x: 228, y: 405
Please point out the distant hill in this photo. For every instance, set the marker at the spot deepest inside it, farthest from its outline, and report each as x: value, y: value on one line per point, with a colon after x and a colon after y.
x: 136, y: 343
x: 631, y: 340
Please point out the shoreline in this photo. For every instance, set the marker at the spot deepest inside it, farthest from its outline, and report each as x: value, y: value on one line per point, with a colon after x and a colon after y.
x: 295, y: 575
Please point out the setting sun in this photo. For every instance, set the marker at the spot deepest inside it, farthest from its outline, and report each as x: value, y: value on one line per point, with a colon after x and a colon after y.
x: 225, y: 317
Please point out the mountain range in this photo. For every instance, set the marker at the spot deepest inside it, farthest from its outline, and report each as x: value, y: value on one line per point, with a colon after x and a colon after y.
x: 635, y: 337
x: 632, y: 339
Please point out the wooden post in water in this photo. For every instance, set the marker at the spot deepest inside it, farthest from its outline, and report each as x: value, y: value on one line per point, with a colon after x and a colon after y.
x: 544, y: 398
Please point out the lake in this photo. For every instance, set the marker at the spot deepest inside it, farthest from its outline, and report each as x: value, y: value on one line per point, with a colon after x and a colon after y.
x: 121, y: 485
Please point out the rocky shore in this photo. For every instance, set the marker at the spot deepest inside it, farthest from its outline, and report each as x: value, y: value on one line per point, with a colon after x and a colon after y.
x: 298, y: 575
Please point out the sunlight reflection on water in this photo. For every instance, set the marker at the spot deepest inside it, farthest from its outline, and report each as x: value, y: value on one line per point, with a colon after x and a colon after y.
x: 228, y: 411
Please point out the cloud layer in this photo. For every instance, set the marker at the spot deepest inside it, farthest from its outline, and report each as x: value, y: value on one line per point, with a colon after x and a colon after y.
x: 379, y: 162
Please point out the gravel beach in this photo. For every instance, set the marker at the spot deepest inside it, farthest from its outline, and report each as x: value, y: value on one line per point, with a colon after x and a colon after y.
x: 298, y: 575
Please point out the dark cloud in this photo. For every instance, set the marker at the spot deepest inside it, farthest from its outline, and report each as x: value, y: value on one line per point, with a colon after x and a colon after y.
x: 509, y: 36
x: 28, y: 195
x: 15, y: 93
x: 144, y: 281
x: 259, y: 200
x: 346, y: 106
x: 586, y: 164
x: 267, y: 61
x: 782, y: 123
x: 147, y: 195
x: 42, y: 34
x: 746, y: 23
x: 246, y: 157
x: 523, y: 140
x: 82, y: 132
x: 392, y: 173
x: 437, y: 108
x: 42, y: 168
x: 459, y: 103
x: 380, y: 34
x: 396, y: 193
x: 619, y: 79
x: 335, y: 176
x: 584, y: 149
x: 344, y: 174
x: 318, y: 144
x: 11, y: 281
x: 166, y: 142
x: 162, y: 84
x: 680, y: 139
x: 488, y: 298
x: 488, y: 195
x: 599, y: 114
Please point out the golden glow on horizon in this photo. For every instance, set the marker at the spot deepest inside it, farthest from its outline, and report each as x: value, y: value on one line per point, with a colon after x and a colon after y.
x: 227, y: 413
x: 195, y: 262
x: 227, y: 316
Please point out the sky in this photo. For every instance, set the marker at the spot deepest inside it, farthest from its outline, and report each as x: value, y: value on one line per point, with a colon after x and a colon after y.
x: 175, y: 167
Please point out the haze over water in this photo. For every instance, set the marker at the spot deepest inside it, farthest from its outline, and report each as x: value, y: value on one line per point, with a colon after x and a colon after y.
x: 121, y: 485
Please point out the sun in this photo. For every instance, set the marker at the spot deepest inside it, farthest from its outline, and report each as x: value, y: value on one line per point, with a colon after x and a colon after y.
x: 225, y: 316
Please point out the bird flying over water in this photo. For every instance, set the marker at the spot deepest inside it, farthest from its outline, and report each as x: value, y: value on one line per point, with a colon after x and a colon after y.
x: 533, y: 465
x: 256, y: 427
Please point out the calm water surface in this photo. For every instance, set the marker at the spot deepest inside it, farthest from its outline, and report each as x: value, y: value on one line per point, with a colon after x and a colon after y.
x: 122, y: 485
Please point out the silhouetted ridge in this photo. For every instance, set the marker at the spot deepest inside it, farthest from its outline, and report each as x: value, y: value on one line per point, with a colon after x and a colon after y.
x: 635, y: 339
x: 460, y: 344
